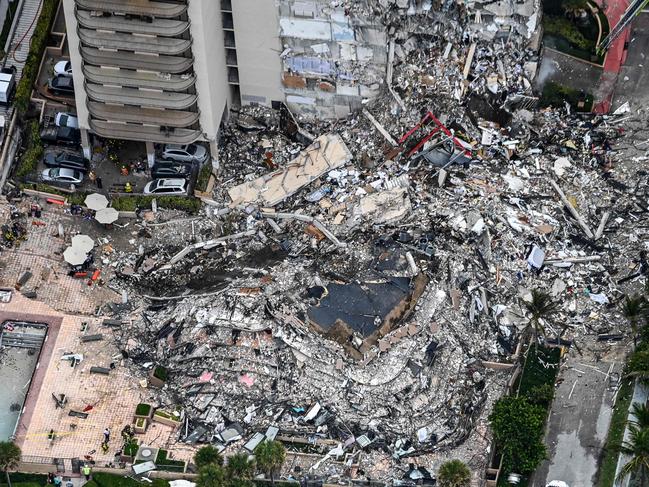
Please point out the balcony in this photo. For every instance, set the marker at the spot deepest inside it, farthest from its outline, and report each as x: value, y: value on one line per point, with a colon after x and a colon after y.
x: 131, y: 60
x: 145, y: 8
x: 137, y: 79
x: 143, y: 133
x: 142, y: 98
x: 128, y: 42
x: 120, y: 23
x: 121, y: 113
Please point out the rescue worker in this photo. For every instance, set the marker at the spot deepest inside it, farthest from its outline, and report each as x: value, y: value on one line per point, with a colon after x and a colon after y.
x: 86, y: 471
x: 128, y: 188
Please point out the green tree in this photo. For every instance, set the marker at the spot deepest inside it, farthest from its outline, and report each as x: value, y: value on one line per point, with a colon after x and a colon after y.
x: 518, y: 430
x: 270, y: 456
x: 638, y: 448
x: 9, y: 457
x: 208, y: 455
x: 633, y: 309
x: 638, y: 365
x: 641, y: 413
x: 454, y: 473
x: 211, y: 475
x: 540, y: 307
x: 240, y: 467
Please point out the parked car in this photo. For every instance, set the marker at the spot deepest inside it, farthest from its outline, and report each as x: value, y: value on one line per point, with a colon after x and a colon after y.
x: 61, y: 135
x: 62, y: 175
x: 7, y: 84
x: 63, y: 68
x: 63, y: 119
x: 61, y: 85
x: 185, y: 153
x: 166, y: 187
x: 66, y: 159
x: 170, y: 169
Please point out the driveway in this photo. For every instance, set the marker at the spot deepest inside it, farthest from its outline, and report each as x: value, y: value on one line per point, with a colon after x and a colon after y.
x: 633, y: 81
x: 578, y: 424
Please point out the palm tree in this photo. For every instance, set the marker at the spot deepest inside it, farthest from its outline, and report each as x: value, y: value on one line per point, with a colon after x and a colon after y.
x: 454, y: 473
x: 9, y: 457
x: 270, y: 456
x: 541, y: 306
x: 208, y: 455
x: 239, y: 466
x: 633, y: 309
x: 638, y: 448
x: 641, y: 413
x: 211, y: 475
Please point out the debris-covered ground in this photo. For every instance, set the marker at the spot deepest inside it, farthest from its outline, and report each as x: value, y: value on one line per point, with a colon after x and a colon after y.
x: 362, y: 292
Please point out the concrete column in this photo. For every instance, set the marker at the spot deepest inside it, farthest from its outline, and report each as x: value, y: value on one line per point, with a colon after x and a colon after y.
x: 214, y: 151
x: 150, y: 154
x: 85, y: 144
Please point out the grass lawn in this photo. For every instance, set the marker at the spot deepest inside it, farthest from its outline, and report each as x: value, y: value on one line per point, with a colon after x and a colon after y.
x: 19, y: 479
x: 606, y: 473
x: 535, y: 374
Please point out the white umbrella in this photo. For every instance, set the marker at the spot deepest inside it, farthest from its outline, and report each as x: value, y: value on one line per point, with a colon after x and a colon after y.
x: 96, y: 201
x: 83, y: 242
x: 74, y: 256
x: 107, y: 215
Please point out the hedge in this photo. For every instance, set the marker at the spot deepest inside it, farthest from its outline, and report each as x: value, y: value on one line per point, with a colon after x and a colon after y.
x: 36, y: 49
x: 101, y: 479
x: 34, y: 153
x: 204, y: 177
x: 131, y: 203
x: 72, y: 198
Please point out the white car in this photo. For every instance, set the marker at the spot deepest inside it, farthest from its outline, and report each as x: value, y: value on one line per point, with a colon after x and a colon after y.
x: 185, y: 153
x: 166, y: 187
x: 63, y: 119
x: 63, y: 68
x: 557, y: 483
x: 62, y: 175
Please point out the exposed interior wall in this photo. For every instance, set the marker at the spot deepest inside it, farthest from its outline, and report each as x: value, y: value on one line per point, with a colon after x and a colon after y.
x: 209, y: 64
x: 332, y: 58
x: 75, y: 58
x: 256, y: 24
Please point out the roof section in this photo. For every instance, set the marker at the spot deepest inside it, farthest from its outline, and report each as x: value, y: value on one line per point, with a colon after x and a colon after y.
x: 130, y: 60
x: 143, y: 98
x: 138, y: 79
x: 143, y: 133
x: 135, y: 7
x: 129, y: 42
x: 119, y: 23
x: 119, y: 113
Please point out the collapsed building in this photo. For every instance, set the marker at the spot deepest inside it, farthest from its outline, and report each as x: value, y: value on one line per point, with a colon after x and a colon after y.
x: 357, y: 288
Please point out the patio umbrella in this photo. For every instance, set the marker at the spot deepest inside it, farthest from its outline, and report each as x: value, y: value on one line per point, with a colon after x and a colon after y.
x: 74, y: 256
x: 107, y: 215
x: 96, y: 201
x: 83, y: 242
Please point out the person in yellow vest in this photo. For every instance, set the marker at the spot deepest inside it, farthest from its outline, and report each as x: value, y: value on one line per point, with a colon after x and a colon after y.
x: 86, y: 471
x: 128, y: 188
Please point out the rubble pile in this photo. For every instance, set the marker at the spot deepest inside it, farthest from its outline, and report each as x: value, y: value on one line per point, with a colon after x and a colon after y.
x: 363, y: 290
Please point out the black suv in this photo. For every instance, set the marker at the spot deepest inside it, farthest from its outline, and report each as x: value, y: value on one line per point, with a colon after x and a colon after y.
x: 61, y: 85
x: 61, y: 135
x: 171, y: 169
x: 66, y: 159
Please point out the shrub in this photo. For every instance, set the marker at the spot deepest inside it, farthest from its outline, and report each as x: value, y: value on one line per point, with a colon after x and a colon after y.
x: 34, y: 153
x: 204, y: 177
x: 37, y: 47
x: 161, y: 373
x: 142, y: 409
x: 541, y: 395
x: 131, y: 203
x: 518, y: 431
x: 208, y: 455
x: 561, y: 26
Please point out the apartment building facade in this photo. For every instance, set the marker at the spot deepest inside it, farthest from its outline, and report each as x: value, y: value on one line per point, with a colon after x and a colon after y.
x: 167, y: 71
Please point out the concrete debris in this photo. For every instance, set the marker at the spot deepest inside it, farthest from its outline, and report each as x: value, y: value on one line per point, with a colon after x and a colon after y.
x: 359, y: 293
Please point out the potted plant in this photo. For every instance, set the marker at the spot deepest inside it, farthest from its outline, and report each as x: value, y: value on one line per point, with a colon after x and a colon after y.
x: 129, y: 451
x: 158, y: 376
x: 140, y: 425
x: 143, y: 410
x: 168, y: 418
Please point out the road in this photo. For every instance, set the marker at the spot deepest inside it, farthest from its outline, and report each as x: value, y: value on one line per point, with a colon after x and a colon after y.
x: 633, y: 81
x: 578, y: 424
